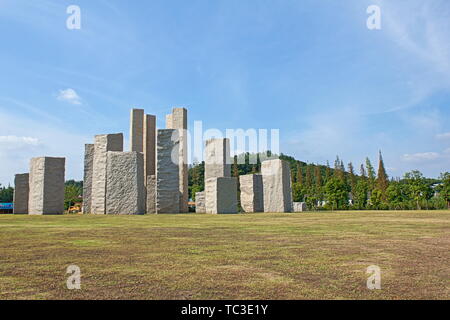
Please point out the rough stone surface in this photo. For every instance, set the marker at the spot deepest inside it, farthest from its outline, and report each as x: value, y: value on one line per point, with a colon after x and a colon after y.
x: 169, y: 123
x: 277, y: 186
x: 151, y: 194
x: 179, y: 121
x: 200, y: 205
x: 217, y: 158
x: 167, y: 171
x: 299, y: 207
x: 87, y: 181
x: 149, y: 145
x: 46, y: 186
x: 103, y: 144
x: 21, y: 192
x: 252, y: 193
x: 125, y: 189
x: 221, y: 195
x: 137, y: 130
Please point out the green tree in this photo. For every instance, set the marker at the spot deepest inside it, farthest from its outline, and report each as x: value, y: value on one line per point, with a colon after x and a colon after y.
x: 419, y: 190
x: 376, y: 198
x: 336, y: 193
x: 382, y: 178
x: 370, y: 174
x: 360, y: 195
x: 298, y: 193
x: 73, y: 193
x: 299, y: 174
x: 444, y: 190
x: 6, y: 194
x: 396, y: 195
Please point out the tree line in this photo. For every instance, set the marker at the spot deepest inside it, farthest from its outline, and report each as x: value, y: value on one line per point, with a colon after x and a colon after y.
x: 341, y: 187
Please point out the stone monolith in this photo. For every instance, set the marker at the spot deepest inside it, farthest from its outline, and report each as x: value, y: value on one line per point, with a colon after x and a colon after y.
x: 125, y: 189
x: 221, y: 195
x: 137, y: 130
x: 277, y: 186
x: 151, y: 194
x: 217, y: 158
x: 167, y: 171
x: 252, y: 193
x: 103, y: 144
x: 46, y: 186
x: 200, y: 205
x: 88, y: 175
x: 21, y: 192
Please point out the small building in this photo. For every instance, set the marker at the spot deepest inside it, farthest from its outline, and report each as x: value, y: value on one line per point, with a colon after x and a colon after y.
x: 6, y: 208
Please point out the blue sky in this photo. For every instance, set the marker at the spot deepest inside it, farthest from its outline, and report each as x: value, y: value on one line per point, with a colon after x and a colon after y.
x: 310, y: 68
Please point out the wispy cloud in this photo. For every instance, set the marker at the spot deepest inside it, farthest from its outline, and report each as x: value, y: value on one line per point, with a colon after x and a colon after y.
x: 15, y: 141
x: 443, y: 136
x: 421, y: 157
x: 69, y: 95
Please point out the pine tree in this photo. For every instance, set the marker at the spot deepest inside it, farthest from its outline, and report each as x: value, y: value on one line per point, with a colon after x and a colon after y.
x: 299, y: 174
x: 382, y: 178
x: 318, y: 177
x: 351, y: 171
x: 308, y: 176
x: 370, y: 174
x: 362, y: 171
x: 327, y: 172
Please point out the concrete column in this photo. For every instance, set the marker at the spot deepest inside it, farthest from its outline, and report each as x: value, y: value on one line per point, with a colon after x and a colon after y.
x: 151, y: 194
x: 149, y: 146
x: 252, y: 193
x: 277, y: 186
x: 88, y: 175
x: 217, y: 158
x: 21, y: 192
x: 103, y: 144
x: 167, y: 171
x: 137, y: 130
x: 125, y: 189
x: 46, y: 186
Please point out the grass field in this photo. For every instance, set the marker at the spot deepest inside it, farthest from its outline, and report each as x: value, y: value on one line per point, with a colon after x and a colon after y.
x: 255, y: 256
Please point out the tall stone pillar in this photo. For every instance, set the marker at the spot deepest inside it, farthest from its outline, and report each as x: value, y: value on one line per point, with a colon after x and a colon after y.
x: 178, y: 120
x: 103, y: 144
x: 137, y: 130
x: 125, y: 189
x: 167, y: 171
x: 252, y: 193
x: 21, y: 192
x: 220, y: 188
x: 277, y: 186
x: 151, y: 194
x: 88, y: 175
x: 217, y: 158
x: 149, y: 145
x: 46, y: 186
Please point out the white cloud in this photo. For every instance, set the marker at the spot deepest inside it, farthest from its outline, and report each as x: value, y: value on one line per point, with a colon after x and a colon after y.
x: 6, y: 141
x: 421, y: 157
x: 69, y: 95
x: 443, y: 136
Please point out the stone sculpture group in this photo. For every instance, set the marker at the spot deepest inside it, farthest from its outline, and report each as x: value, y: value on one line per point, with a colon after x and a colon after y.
x: 152, y: 178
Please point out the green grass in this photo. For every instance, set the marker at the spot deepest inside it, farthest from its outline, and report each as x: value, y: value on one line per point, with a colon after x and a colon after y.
x: 255, y: 256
